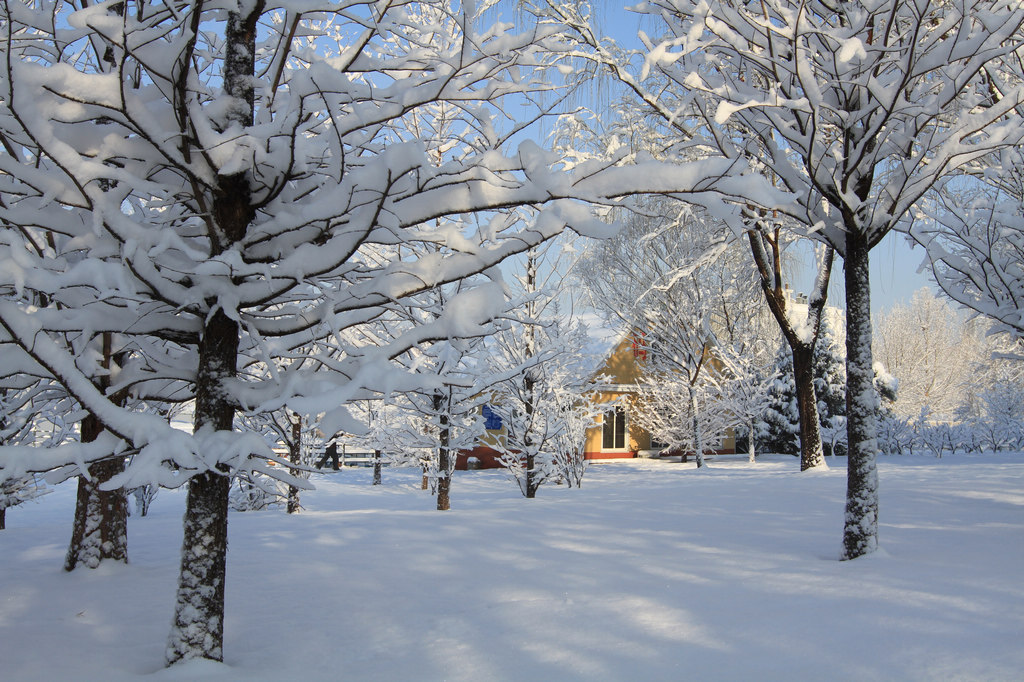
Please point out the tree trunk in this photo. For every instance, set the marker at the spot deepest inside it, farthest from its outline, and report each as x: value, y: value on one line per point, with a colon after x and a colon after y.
x: 751, y: 455
x: 531, y: 475
x: 3, y: 518
x: 294, y: 454
x: 698, y: 437
x: 532, y: 482
x: 860, y: 533
x: 529, y: 381
x: 100, y: 527
x: 811, y: 453
x: 198, y: 629
x: 767, y: 253
x: 376, y: 467
x: 444, y: 474
x: 444, y: 484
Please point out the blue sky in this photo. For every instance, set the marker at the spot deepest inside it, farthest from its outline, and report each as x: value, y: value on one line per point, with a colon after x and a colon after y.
x: 894, y: 274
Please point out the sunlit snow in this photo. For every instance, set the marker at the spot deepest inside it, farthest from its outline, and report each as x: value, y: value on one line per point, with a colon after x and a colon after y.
x: 651, y: 571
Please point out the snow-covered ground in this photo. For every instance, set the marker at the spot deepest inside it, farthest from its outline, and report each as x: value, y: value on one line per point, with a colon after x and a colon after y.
x: 653, y: 571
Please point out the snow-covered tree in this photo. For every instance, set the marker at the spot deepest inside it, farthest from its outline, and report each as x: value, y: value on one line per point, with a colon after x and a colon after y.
x: 445, y: 418
x: 380, y: 435
x: 974, y: 236
x: 289, y: 433
x: 858, y: 109
x: 144, y: 496
x: 682, y: 415
x: 742, y: 392
x: 895, y: 435
x: 16, y: 491
x: 25, y: 401
x: 798, y: 324
x: 829, y: 372
x: 993, y: 409
x: 34, y: 412
x: 542, y: 399
x: 99, y: 528
x: 442, y: 414
x: 931, y: 351
x: 778, y: 429
x: 214, y: 188
x: 578, y: 412
x: 1004, y: 412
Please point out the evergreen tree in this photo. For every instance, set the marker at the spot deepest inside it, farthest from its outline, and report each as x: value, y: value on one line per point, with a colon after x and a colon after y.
x: 779, y: 427
x: 830, y: 384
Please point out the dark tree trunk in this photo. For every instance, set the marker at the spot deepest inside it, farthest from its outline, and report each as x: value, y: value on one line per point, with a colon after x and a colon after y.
x: 376, y: 467
x: 100, y: 527
x: 531, y: 476
x: 532, y: 479
x: 444, y: 485
x: 811, y: 453
x: 3, y: 518
x: 860, y: 533
x: 294, y: 453
x: 765, y: 248
x: 198, y: 629
x: 444, y: 478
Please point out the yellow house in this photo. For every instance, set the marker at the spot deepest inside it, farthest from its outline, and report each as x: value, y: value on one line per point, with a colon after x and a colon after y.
x: 616, y: 436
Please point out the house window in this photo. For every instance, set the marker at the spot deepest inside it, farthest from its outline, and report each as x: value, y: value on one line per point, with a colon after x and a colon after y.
x: 492, y: 420
x: 614, y: 430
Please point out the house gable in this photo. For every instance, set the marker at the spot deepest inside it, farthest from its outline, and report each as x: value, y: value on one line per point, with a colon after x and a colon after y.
x: 619, y: 374
x: 619, y: 377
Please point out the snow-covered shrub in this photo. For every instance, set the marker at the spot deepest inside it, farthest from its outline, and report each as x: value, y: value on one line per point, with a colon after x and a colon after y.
x: 1003, y: 413
x: 895, y: 435
x: 936, y: 439
x: 833, y: 436
x: 144, y: 496
x: 963, y: 438
x: 254, y: 492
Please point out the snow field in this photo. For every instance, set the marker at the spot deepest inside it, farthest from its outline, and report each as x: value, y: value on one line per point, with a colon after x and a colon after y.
x: 652, y: 571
